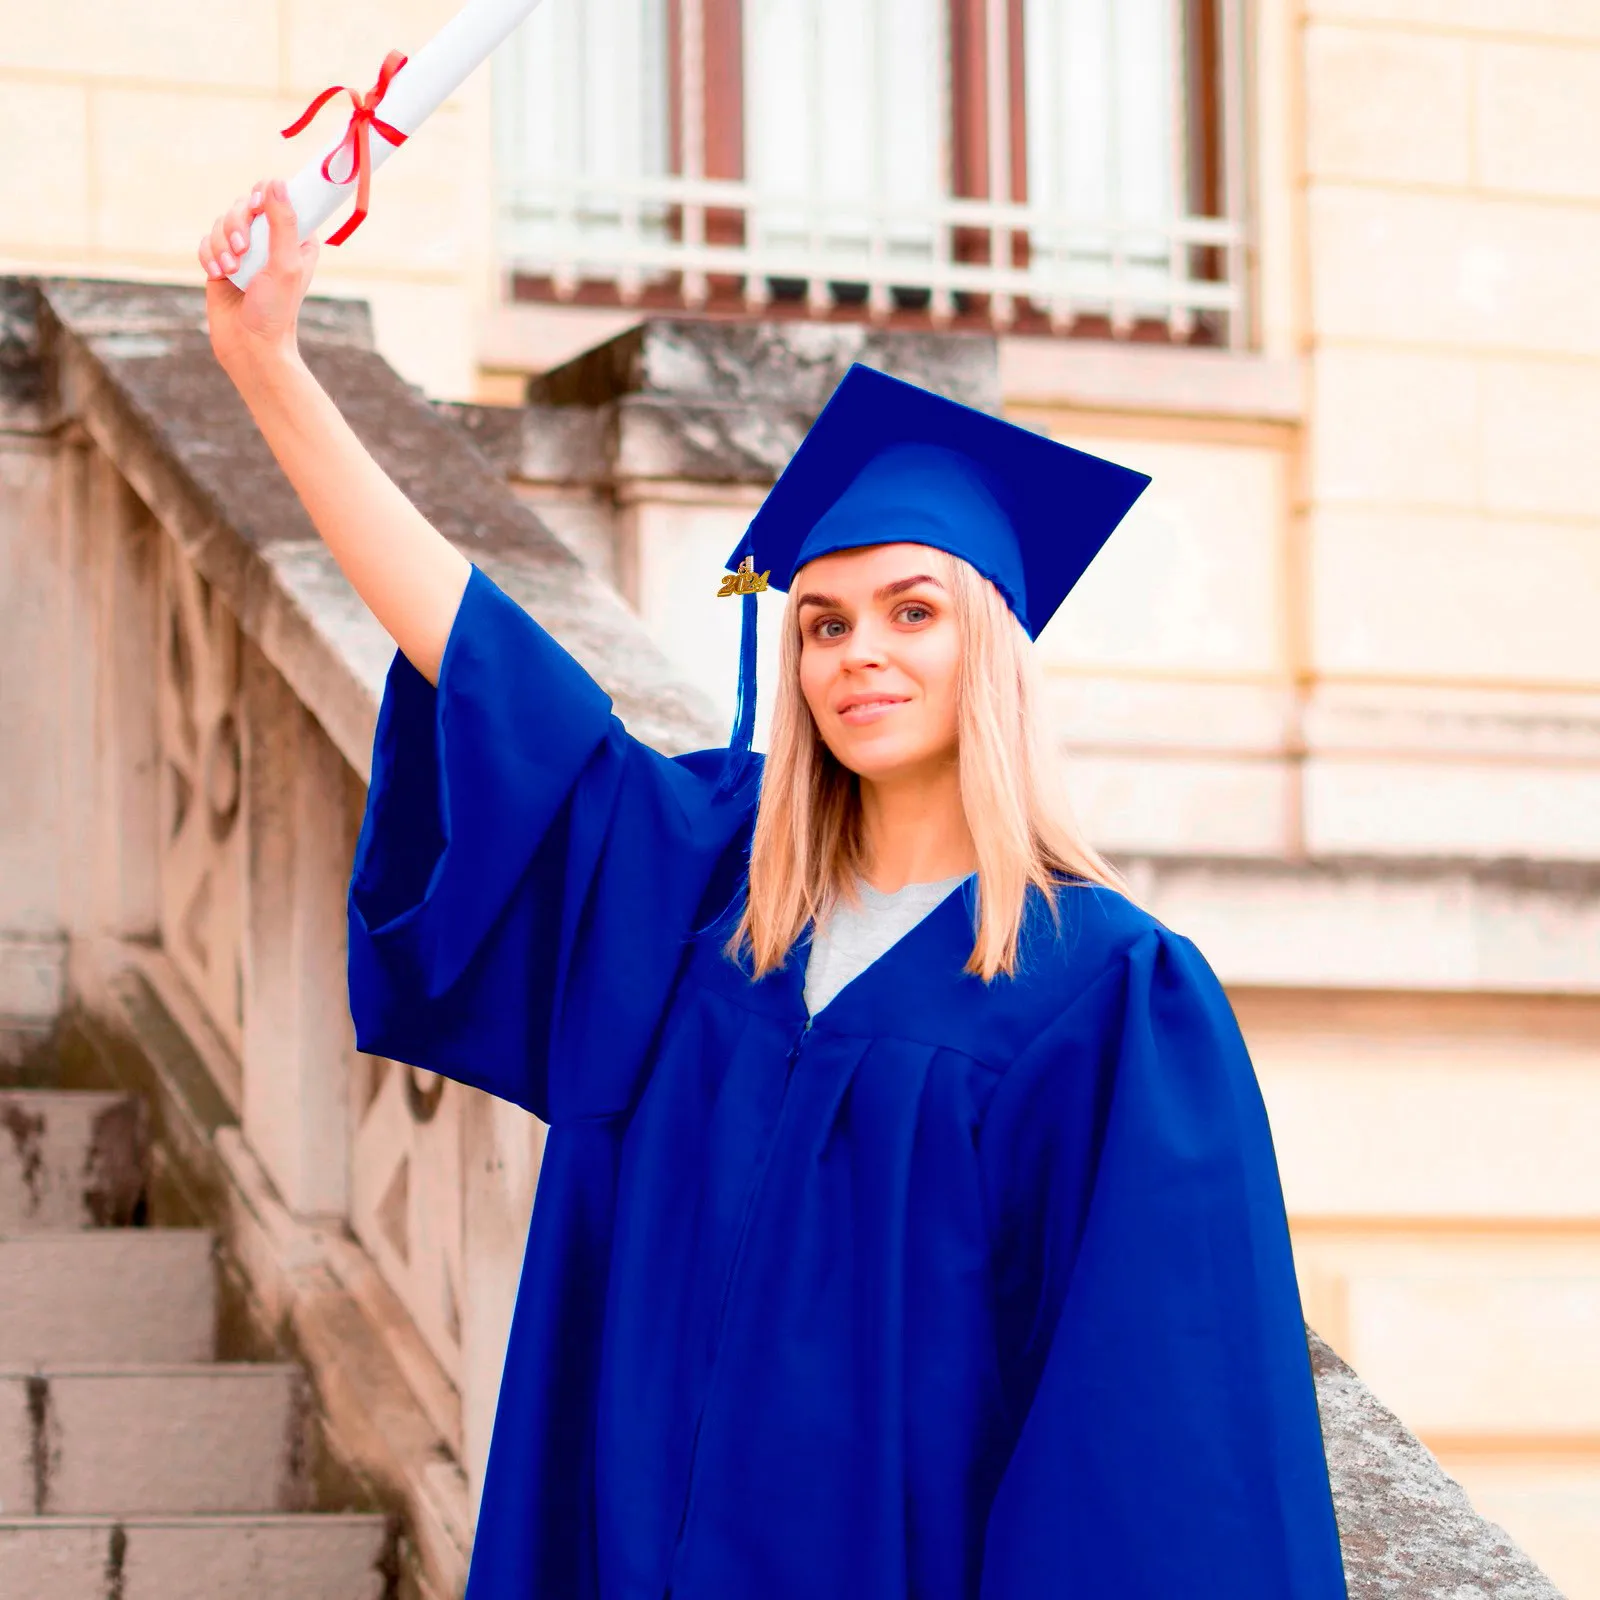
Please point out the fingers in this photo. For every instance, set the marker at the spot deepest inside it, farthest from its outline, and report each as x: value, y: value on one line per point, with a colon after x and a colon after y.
x: 283, y: 236
x: 223, y: 248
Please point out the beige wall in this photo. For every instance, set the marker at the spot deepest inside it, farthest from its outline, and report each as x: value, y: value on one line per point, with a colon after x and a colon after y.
x: 127, y: 125
x: 1452, y: 524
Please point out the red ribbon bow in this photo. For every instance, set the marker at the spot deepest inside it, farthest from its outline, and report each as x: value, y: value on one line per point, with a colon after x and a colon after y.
x: 356, y: 138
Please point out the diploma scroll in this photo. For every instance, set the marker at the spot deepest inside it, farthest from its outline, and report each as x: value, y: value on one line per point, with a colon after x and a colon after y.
x: 416, y: 91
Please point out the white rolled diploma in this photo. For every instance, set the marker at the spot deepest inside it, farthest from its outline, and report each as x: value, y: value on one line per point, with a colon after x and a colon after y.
x: 415, y: 92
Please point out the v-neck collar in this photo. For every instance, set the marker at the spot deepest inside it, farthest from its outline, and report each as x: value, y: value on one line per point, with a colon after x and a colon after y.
x: 911, y: 979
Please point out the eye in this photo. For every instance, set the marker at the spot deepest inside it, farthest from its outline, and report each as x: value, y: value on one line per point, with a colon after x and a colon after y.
x: 913, y: 606
x: 818, y: 629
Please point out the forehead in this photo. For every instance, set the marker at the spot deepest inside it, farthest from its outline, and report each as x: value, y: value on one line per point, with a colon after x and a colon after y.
x: 867, y: 568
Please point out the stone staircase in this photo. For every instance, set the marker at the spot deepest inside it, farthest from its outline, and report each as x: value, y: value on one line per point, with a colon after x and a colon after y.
x: 135, y: 1465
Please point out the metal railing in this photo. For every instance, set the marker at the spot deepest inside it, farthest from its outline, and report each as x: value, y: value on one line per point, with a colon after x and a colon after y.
x: 1107, y: 152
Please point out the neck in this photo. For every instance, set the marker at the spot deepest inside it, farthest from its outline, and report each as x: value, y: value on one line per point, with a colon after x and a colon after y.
x: 914, y: 829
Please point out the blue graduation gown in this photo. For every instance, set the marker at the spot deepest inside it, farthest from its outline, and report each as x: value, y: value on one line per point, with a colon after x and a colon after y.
x: 959, y: 1292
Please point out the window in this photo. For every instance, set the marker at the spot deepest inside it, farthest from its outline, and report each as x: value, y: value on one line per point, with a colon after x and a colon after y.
x: 1045, y: 165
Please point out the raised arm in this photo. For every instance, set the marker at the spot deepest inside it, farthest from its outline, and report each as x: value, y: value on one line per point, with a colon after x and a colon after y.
x: 410, y: 576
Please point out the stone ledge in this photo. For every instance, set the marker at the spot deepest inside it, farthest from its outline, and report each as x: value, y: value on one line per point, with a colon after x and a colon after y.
x: 536, y: 443
x: 1159, y: 380
x: 1453, y: 926
x: 792, y: 364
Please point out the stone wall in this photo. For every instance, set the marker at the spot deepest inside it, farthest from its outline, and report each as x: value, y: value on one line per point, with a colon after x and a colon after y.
x: 1452, y: 501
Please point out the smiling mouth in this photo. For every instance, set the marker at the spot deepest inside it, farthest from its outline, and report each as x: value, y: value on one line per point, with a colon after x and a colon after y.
x: 869, y: 710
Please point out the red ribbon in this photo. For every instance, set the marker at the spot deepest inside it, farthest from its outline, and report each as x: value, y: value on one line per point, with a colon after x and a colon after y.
x: 356, y: 138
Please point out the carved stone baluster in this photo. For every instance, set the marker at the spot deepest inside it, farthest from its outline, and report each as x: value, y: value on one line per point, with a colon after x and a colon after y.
x: 298, y: 1041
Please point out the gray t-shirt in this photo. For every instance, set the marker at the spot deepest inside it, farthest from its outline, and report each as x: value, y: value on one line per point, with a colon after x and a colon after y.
x: 854, y: 937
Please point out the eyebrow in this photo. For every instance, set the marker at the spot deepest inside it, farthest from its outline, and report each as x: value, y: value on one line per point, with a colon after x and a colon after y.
x: 887, y: 592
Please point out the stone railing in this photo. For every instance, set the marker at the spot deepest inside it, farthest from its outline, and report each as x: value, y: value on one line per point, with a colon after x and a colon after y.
x: 190, y: 695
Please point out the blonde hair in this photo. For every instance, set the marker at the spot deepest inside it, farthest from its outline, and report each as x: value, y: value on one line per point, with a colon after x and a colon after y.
x: 808, y: 847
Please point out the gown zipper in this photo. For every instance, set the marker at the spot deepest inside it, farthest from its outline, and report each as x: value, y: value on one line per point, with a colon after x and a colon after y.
x: 722, y: 1308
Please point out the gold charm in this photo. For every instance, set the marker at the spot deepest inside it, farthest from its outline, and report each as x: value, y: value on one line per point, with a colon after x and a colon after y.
x: 746, y: 580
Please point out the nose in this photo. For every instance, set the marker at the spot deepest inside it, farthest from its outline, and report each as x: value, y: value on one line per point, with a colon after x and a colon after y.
x: 865, y: 647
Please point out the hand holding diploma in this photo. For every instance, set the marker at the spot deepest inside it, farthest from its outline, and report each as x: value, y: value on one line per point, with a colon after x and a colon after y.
x: 259, y: 325
x: 404, y: 95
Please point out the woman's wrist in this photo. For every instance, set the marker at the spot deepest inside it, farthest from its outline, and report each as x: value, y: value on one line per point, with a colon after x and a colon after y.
x: 261, y: 375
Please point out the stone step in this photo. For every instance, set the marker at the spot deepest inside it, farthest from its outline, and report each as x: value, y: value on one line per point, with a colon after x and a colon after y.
x: 194, y: 1558
x: 150, y: 1441
x: 71, y: 1158
x: 124, y: 1295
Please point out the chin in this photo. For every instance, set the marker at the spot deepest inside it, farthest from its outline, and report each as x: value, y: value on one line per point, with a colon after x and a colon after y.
x: 878, y: 759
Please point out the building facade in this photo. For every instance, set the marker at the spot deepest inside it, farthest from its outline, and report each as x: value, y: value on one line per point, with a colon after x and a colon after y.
x: 1332, y: 694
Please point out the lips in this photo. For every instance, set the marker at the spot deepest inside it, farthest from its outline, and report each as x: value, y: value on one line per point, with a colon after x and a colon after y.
x: 866, y: 708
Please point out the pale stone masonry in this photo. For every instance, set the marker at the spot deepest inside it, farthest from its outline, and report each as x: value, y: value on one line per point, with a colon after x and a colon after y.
x: 118, y: 375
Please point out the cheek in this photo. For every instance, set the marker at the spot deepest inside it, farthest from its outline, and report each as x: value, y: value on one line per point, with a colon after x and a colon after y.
x: 813, y: 679
x: 941, y: 677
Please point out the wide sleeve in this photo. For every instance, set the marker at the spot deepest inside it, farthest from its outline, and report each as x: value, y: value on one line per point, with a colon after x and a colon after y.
x: 526, y: 872
x: 1166, y: 1432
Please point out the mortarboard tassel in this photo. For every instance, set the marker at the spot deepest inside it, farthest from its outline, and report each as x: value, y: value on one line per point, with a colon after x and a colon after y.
x: 746, y: 583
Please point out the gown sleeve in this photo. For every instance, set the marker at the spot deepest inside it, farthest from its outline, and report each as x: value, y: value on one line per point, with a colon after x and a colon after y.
x: 1153, y: 1351
x: 526, y: 872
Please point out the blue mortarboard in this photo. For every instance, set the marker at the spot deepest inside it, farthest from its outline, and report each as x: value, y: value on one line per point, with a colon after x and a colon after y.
x: 886, y: 463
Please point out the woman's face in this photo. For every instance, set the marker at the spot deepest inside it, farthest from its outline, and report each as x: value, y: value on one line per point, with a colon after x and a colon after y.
x: 879, y: 657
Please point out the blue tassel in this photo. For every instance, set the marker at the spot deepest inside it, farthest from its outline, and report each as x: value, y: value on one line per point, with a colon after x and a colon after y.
x: 744, y: 721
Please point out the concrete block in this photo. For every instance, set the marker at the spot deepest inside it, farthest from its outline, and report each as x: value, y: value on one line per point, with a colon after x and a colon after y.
x: 70, y: 1159
x: 44, y: 200
x: 1193, y: 578
x: 1384, y: 925
x: 1170, y: 805
x: 124, y: 1294
x: 1431, y: 1108
x: 1468, y: 721
x: 1480, y: 811
x: 1554, y: 19
x: 131, y: 1441
x: 194, y: 1558
x: 347, y: 46
x: 1388, y: 107
x: 1434, y: 596
x: 1136, y: 715
x: 1469, y: 1354
x: 1395, y: 426
x: 1538, y: 120
x: 1538, y: 455
x: 108, y: 38
x: 1469, y: 273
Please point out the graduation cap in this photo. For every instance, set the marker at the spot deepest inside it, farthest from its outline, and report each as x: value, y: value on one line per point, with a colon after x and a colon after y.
x: 888, y: 463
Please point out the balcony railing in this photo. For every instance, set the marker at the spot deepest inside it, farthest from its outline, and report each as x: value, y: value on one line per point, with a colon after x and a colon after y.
x: 1062, y: 165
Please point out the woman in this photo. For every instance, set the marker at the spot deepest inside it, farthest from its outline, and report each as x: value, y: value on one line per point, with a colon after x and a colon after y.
x: 908, y: 1223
